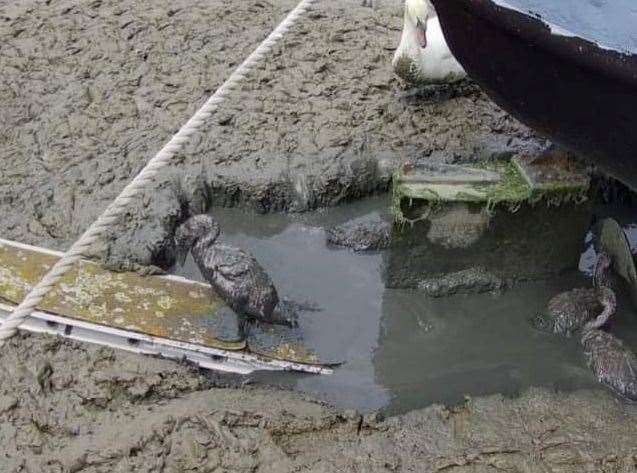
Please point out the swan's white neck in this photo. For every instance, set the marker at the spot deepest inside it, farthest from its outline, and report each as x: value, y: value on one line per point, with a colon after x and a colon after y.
x: 416, y: 10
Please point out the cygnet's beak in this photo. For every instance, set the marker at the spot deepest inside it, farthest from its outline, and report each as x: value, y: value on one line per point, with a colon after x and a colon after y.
x: 421, y: 34
x: 181, y: 254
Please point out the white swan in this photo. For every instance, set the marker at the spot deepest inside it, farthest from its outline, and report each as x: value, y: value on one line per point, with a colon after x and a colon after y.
x: 423, y: 56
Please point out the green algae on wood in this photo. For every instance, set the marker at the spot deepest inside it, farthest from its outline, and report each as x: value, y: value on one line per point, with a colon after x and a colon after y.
x: 516, y: 187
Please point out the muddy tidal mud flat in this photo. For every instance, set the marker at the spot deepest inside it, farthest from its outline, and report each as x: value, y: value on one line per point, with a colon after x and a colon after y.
x: 70, y: 407
x: 90, y: 90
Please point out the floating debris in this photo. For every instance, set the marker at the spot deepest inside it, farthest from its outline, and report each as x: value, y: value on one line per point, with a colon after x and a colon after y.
x: 368, y: 233
x: 468, y: 281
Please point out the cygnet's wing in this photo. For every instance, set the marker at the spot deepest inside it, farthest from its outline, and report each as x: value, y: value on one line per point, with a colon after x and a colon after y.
x: 613, y: 363
x: 630, y: 363
x: 232, y: 262
x: 626, y: 378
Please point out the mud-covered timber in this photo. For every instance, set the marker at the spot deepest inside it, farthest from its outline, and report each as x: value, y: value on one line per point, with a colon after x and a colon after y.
x: 568, y: 69
x: 166, y: 316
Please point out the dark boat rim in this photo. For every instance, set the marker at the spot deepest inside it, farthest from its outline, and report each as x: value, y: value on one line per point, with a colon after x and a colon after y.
x: 541, y: 32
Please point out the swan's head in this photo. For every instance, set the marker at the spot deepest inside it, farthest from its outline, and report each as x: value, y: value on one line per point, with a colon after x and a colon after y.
x: 423, y: 56
x: 417, y: 12
x: 193, y: 229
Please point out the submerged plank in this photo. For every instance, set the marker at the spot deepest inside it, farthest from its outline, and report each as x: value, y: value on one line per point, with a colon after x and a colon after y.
x: 462, y: 226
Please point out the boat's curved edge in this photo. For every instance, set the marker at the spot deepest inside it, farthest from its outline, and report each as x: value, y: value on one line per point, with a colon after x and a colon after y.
x: 566, y: 88
x: 557, y: 39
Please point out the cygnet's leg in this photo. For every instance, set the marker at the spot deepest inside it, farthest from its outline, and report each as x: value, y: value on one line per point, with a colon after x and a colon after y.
x: 287, y: 312
x: 132, y: 267
x: 150, y: 270
x: 229, y: 327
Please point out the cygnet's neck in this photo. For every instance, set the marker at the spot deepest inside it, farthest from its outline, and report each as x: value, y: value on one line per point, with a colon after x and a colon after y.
x: 609, y: 303
x: 203, y: 242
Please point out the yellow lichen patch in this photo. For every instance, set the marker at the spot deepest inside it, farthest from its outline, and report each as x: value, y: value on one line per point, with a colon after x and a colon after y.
x: 17, y: 275
x: 12, y: 286
x: 298, y: 353
x: 288, y: 352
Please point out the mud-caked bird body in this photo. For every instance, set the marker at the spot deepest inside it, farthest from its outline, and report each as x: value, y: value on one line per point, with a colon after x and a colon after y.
x: 234, y: 273
x: 238, y: 278
x: 588, y: 311
x: 613, y: 363
x: 568, y: 312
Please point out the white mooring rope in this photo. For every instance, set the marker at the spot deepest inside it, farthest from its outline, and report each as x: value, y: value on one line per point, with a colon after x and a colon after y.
x: 161, y: 160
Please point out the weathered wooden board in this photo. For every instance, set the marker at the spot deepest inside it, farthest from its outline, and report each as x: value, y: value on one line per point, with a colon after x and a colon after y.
x: 523, y: 179
x: 162, y: 307
x: 555, y: 172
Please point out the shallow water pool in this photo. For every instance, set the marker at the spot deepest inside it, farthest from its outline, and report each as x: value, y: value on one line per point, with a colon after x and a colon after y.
x: 403, y: 350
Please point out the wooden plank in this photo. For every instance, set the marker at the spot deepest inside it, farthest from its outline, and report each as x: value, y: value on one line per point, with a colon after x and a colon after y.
x: 553, y: 172
x: 240, y: 362
x: 172, y: 308
x: 438, y: 173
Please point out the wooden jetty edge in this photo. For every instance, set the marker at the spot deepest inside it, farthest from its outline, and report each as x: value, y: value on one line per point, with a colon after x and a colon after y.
x: 166, y: 316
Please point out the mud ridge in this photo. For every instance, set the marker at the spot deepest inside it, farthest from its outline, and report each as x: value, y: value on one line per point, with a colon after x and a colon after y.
x: 73, y: 407
x: 84, y: 107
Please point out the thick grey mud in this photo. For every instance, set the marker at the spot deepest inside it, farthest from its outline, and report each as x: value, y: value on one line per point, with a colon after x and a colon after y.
x: 77, y: 408
x: 90, y: 90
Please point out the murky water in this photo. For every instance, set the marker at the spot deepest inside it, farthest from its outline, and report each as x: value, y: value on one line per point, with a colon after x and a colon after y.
x: 403, y: 350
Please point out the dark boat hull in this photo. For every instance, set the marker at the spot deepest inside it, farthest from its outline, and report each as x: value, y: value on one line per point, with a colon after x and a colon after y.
x: 573, y: 91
